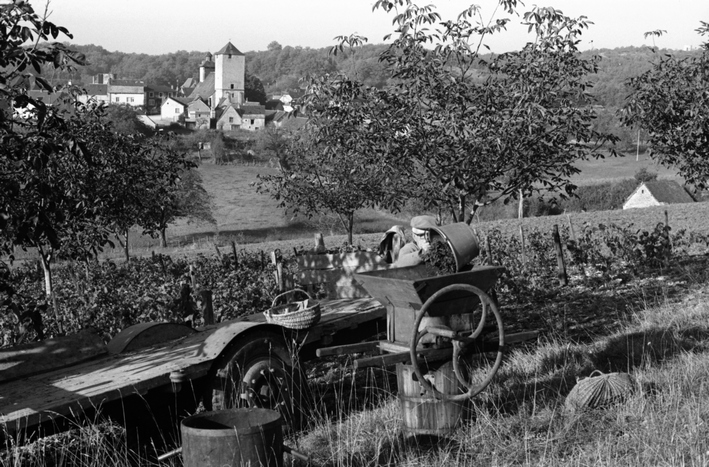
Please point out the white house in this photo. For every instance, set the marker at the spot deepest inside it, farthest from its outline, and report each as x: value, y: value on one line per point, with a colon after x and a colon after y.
x: 657, y: 193
x: 173, y: 108
x: 124, y: 91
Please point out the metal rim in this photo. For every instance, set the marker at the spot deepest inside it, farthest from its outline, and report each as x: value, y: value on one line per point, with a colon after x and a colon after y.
x: 458, y: 347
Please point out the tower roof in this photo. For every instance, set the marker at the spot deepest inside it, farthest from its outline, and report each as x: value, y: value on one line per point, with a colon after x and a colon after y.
x: 228, y: 49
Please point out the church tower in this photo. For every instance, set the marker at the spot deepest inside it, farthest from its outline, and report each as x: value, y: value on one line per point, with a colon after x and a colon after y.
x: 229, y: 70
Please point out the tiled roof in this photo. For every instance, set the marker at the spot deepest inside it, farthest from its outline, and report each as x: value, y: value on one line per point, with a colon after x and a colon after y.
x: 228, y: 49
x: 205, y: 89
x: 253, y: 110
x: 197, y: 102
x: 159, y: 88
x: 222, y: 110
x: 668, y: 191
x: 181, y: 100
x: 126, y: 89
x: 190, y: 83
x: 127, y: 82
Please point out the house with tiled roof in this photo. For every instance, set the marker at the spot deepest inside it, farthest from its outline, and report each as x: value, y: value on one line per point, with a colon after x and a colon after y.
x: 657, y: 193
x: 187, y: 87
x: 228, y: 118
x: 198, y: 114
x: 253, y: 116
x: 126, y: 91
x: 173, y: 108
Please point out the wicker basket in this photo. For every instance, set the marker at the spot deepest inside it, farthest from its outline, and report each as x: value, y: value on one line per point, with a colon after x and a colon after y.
x: 599, y: 391
x: 296, y: 314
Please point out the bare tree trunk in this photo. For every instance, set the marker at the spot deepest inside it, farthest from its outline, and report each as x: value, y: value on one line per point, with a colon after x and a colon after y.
x: 46, y: 260
x: 350, y: 227
x: 460, y: 216
x: 125, y: 247
x: 163, y: 238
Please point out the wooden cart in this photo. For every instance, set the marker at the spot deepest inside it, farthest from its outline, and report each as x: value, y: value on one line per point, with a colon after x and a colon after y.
x: 436, y: 318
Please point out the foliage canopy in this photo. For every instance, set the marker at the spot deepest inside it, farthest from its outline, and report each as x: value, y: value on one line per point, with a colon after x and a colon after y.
x: 670, y: 102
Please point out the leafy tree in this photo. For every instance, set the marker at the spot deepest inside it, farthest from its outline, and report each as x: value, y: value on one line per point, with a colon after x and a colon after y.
x: 333, y: 164
x: 273, y: 142
x: 176, y: 190
x: 644, y: 175
x: 482, y: 128
x: 670, y: 102
x: 68, y: 179
x: 125, y: 120
x: 254, y: 91
x: 31, y: 134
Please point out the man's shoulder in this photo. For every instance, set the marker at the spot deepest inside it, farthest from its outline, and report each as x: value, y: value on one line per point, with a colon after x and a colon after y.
x: 408, y: 249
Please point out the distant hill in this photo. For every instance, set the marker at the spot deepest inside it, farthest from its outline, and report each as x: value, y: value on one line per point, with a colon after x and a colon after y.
x: 281, y: 67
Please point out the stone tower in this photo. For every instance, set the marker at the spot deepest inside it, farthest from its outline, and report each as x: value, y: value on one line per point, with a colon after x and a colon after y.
x: 206, y: 67
x: 229, y: 70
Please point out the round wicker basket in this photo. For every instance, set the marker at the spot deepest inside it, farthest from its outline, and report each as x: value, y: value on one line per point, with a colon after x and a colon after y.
x: 599, y: 391
x: 296, y: 314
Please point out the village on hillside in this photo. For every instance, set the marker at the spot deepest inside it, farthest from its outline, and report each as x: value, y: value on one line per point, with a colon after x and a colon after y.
x: 215, y: 101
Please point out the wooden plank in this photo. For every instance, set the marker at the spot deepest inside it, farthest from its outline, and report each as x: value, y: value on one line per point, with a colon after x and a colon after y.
x: 362, y: 260
x: 430, y: 355
x: 37, y: 357
x: 347, y: 349
x: 337, y: 287
x: 338, y: 315
x: 28, y: 401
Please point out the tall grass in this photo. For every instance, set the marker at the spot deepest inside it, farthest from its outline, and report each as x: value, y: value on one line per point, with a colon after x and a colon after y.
x: 355, y: 418
x: 521, y: 418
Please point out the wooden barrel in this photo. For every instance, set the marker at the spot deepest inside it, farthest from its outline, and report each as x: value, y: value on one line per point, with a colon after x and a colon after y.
x: 234, y: 437
x: 422, y: 413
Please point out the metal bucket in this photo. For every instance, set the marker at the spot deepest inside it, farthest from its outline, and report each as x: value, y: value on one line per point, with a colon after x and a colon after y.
x: 461, y: 239
x: 234, y: 437
x: 422, y: 413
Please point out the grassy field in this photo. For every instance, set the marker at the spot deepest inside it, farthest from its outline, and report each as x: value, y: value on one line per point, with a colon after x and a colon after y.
x: 654, y: 327
x: 614, y: 168
x: 247, y: 217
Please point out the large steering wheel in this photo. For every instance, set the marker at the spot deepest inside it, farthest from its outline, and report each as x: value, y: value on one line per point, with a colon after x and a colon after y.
x: 460, y: 342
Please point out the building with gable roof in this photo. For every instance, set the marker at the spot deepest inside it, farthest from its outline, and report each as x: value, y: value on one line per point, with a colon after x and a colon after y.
x: 126, y: 91
x: 221, y: 87
x: 657, y: 193
x: 173, y: 108
x: 198, y: 114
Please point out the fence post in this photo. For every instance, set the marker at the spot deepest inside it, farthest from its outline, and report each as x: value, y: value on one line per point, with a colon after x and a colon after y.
x: 563, y: 279
x: 236, y: 258
x: 279, y: 272
x: 205, y: 297
x: 572, y: 232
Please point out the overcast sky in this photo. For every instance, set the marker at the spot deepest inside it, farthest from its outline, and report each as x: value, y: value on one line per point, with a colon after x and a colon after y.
x: 163, y: 26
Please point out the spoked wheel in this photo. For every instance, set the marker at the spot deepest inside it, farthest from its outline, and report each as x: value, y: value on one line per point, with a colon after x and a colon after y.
x: 463, y: 345
x: 256, y: 371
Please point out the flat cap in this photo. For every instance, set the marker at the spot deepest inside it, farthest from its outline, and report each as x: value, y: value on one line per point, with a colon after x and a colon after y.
x: 423, y: 222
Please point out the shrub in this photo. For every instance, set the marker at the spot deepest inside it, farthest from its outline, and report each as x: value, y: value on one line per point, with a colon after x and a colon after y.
x: 644, y: 175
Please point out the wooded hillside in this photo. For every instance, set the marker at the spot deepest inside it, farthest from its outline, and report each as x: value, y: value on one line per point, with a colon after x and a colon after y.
x: 280, y: 67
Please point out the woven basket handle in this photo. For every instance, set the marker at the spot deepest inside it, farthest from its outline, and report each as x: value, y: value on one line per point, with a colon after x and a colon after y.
x: 290, y: 292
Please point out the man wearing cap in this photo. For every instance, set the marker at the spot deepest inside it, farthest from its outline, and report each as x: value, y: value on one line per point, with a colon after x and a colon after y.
x: 421, y: 226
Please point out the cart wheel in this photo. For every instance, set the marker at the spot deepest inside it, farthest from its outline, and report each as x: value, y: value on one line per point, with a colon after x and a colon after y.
x: 256, y: 371
x: 460, y: 343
